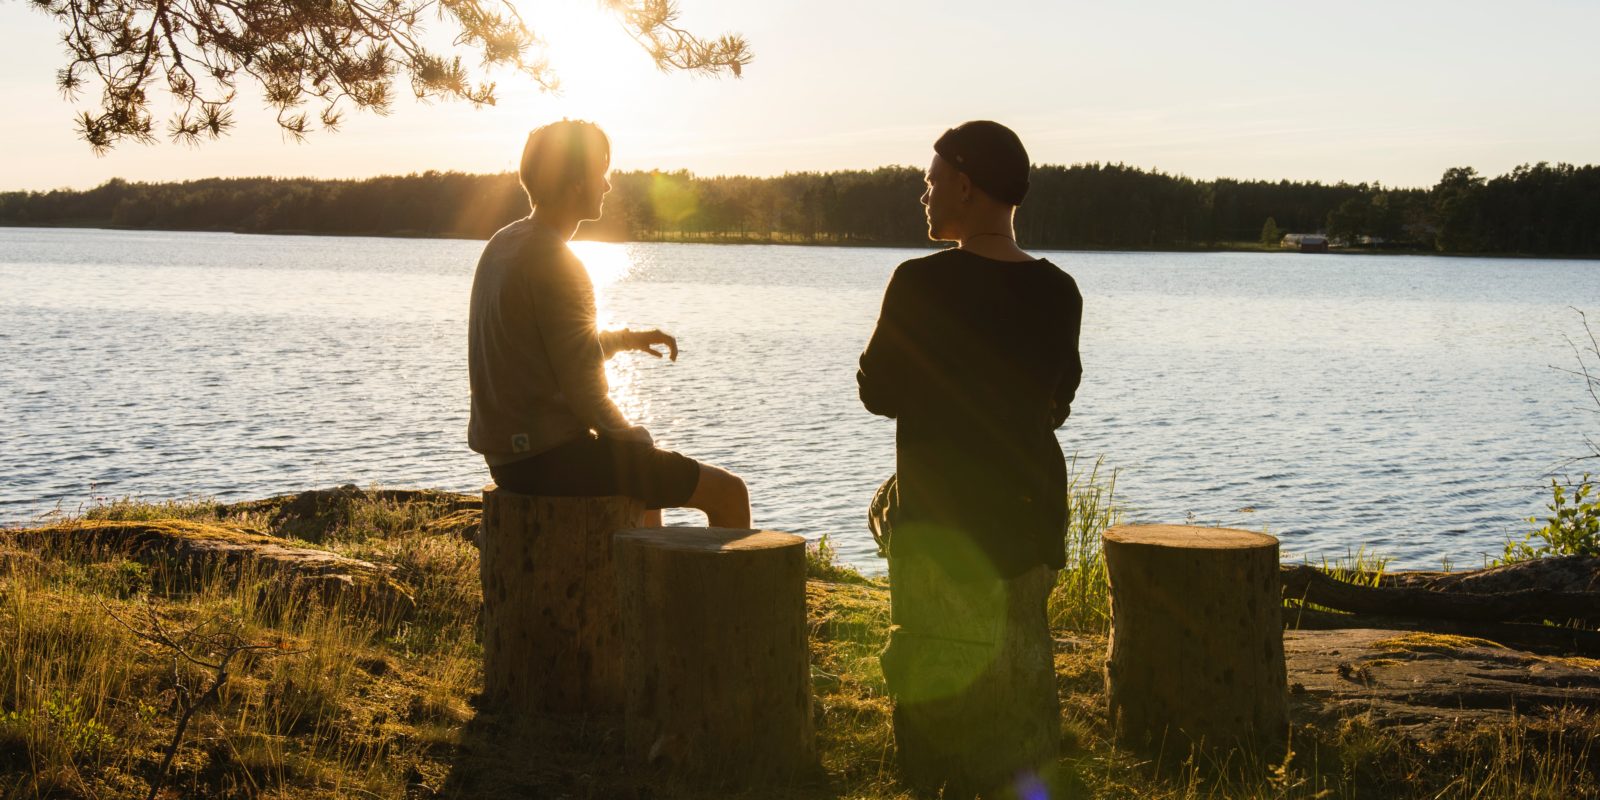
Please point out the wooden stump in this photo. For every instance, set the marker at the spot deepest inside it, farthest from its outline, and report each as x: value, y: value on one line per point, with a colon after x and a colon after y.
x: 550, y: 626
x: 1196, y: 654
x: 714, y: 647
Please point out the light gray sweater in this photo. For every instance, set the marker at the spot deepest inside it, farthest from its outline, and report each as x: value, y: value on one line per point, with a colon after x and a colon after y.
x: 535, y: 359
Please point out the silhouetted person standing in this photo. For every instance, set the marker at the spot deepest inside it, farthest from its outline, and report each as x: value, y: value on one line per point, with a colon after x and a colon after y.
x: 541, y: 416
x: 975, y: 357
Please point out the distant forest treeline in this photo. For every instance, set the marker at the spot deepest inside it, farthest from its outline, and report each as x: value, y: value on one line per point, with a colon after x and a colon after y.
x: 1539, y: 209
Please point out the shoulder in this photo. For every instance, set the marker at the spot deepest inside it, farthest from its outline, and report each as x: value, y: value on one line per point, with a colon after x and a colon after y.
x: 915, y: 268
x: 530, y: 250
x: 507, y: 243
x: 1058, y: 277
x: 536, y: 241
x: 945, y: 257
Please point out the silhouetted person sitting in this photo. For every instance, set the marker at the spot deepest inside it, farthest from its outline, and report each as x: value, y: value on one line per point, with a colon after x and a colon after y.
x: 541, y: 416
x: 975, y: 357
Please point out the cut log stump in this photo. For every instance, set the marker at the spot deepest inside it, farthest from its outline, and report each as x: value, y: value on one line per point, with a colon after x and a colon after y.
x: 1196, y: 651
x: 714, y: 647
x: 550, y: 626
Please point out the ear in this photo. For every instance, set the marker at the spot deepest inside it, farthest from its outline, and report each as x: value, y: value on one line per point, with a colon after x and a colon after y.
x: 965, y: 182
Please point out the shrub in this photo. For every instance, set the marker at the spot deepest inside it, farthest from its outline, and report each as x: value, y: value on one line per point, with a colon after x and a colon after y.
x: 1572, y: 529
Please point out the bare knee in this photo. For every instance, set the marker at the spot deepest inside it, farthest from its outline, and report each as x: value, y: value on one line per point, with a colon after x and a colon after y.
x: 736, y: 490
x: 724, y: 498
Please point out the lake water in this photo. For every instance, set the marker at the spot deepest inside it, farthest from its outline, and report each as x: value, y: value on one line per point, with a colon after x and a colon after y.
x: 1403, y: 404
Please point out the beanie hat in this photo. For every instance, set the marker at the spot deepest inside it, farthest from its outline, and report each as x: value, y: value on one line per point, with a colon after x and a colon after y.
x: 991, y: 155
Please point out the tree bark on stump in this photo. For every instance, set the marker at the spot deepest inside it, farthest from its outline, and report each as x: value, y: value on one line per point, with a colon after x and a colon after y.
x: 1196, y: 652
x: 550, y: 625
x: 714, y: 647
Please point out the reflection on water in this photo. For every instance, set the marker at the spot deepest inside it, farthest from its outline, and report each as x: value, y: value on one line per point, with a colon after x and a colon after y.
x: 608, y: 263
x: 1399, y: 403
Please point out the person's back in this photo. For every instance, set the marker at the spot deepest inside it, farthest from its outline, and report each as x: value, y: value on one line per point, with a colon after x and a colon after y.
x: 517, y: 406
x: 971, y: 359
x: 975, y: 356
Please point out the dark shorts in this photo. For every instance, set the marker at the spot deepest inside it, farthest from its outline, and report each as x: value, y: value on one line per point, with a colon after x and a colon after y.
x: 596, y: 467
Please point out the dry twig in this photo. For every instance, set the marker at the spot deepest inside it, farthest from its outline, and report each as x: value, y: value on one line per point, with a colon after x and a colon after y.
x: 212, y: 645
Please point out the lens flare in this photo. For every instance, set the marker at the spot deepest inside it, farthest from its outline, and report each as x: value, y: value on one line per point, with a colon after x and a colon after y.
x: 1030, y: 787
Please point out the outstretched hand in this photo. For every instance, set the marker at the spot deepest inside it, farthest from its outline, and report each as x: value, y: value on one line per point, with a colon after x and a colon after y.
x: 648, y: 341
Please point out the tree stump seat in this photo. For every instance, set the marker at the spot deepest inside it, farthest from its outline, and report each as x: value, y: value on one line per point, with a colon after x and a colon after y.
x: 551, y: 640
x: 1196, y: 648
x: 714, y: 650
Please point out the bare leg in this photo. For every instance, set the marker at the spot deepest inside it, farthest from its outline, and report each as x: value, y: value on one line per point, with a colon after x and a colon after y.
x: 724, y: 498
x: 650, y: 519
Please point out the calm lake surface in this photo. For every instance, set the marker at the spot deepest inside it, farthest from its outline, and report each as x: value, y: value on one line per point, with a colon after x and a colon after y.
x: 1403, y: 404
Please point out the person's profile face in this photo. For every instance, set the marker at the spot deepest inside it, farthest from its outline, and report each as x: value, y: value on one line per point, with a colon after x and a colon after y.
x: 940, y: 200
x: 594, y: 188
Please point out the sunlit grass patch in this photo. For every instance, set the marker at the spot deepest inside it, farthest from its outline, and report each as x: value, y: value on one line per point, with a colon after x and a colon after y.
x: 822, y: 563
x: 85, y: 706
x: 130, y: 509
x: 849, y: 625
x: 1079, y: 600
x: 1433, y: 643
x: 351, y: 514
x: 1361, y: 567
x: 69, y: 678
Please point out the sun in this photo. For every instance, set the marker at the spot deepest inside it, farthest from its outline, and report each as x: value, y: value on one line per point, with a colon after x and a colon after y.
x: 602, y: 71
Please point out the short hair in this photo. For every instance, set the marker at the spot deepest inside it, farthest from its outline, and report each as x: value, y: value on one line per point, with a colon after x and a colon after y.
x: 560, y: 153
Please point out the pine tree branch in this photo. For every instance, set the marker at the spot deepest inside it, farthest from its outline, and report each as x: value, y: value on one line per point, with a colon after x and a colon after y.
x: 324, y: 52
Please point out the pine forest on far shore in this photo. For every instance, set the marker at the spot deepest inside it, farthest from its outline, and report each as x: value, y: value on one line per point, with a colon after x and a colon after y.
x: 1534, y: 210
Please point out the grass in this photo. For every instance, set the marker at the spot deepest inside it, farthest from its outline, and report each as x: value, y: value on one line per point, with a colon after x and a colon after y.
x: 1079, y: 601
x: 1433, y: 643
x: 345, y: 705
x: 351, y: 712
x: 1361, y: 567
x: 822, y: 563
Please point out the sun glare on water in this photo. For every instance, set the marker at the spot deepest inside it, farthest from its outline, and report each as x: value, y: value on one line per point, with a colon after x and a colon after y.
x: 608, y: 264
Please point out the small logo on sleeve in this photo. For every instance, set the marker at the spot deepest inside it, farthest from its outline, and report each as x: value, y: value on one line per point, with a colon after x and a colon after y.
x: 519, y: 443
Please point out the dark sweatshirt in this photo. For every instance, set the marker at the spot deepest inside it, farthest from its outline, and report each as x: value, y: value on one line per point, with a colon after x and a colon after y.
x: 977, y: 362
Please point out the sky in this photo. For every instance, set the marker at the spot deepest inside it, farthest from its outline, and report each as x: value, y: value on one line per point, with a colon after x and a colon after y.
x: 1394, y: 92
